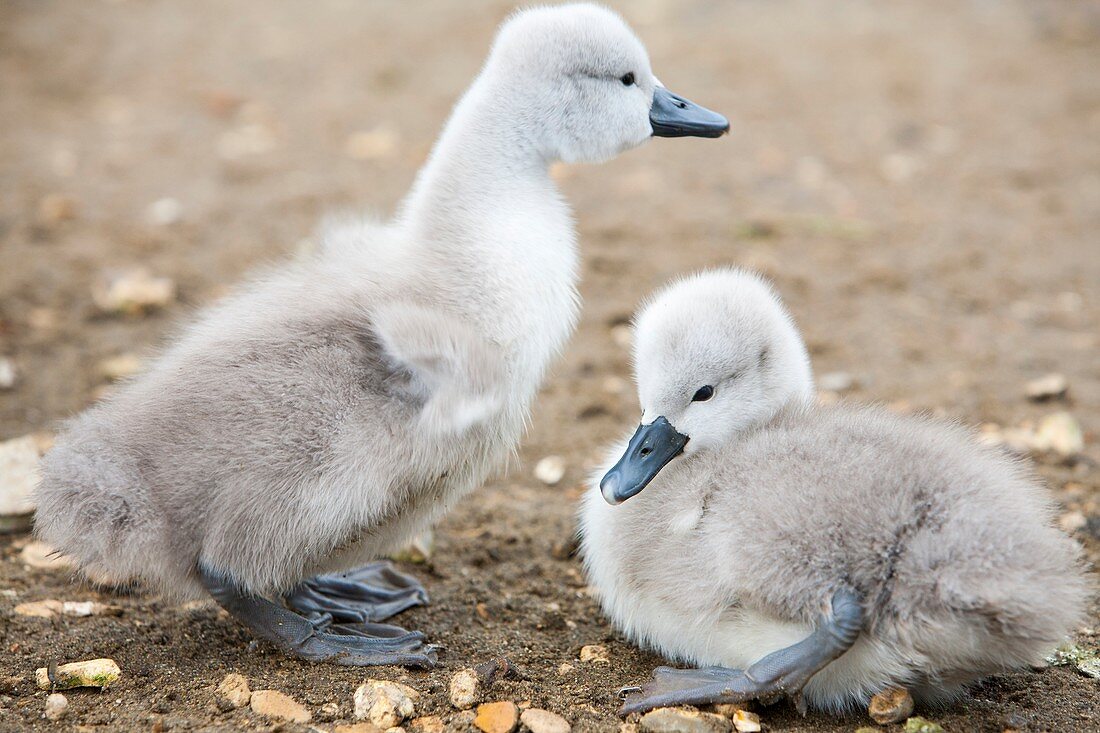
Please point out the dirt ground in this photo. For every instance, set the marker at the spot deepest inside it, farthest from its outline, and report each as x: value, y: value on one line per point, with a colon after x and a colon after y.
x: 921, y: 179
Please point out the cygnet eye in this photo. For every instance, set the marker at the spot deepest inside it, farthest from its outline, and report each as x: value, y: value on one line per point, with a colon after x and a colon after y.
x: 627, y: 79
x: 703, y: 394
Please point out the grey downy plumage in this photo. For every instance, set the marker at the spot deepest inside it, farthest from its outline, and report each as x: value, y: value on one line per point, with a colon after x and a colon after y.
x: 822, y: 552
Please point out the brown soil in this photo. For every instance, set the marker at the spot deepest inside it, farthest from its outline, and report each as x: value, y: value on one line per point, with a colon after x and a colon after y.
x: 922, y: 180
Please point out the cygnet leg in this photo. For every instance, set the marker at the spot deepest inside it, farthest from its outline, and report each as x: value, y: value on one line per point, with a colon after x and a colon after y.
x: 374, y: 592
x: 782, y: 672
x: 313, y: 639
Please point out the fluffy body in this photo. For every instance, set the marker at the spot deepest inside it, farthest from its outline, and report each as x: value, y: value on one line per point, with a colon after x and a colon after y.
x: 333, y: 408
x: 734, y: 551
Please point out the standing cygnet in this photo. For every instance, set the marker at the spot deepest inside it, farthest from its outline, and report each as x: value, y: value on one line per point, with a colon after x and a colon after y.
x: 820, y: 552
x: 329, y: 411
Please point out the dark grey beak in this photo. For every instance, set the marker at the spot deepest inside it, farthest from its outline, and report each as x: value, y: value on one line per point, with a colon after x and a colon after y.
x: 673, y: 116
x: 650, y: 450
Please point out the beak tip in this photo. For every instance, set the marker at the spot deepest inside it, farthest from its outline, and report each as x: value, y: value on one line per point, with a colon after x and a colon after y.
x: 609, y: 487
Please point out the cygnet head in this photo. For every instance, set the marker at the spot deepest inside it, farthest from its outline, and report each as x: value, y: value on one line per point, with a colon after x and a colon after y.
x: 715, y: 354
x: 579, y: 81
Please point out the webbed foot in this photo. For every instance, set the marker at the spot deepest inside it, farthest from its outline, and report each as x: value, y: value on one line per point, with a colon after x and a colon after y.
x: 318, y: 638
x: 784, y: 672
x: 373, y: 592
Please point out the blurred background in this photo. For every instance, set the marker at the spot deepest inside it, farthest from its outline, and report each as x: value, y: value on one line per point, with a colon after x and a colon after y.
x: 920, y: 179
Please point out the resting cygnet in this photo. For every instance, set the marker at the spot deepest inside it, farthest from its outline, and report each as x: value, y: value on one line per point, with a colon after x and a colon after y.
x: 329, y: 411
x: 820, y: 552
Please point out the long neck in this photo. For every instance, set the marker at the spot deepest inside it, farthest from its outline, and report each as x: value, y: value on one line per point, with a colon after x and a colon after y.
x: 483, y: 159
x: 498, y: 235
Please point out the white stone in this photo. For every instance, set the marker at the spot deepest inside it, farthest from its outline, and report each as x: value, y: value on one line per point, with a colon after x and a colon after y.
x: 9, y: 375
x: 164, y: 212
x: 836, y: 382
x: 746, y: 722
x: 41, y: 556
x: 56, y: 706
x: 544, y: 721
x: 550, y: 470
x: 464, y: 689
x: 683, y: 720
x: 384, y: 703
x: 1048, y: 387
x: 1061, y: 433
x: 92, y: 673
x: 133, y: 291
x: 18, y: 474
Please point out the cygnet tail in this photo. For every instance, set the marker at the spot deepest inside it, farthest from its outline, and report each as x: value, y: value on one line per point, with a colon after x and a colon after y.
x: 960, y: 606
x: 989, y: 601
x: 92, y: 509
x: 1017, y: 611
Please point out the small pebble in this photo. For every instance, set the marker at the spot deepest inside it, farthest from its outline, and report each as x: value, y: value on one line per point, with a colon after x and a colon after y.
x: 464, y: 689
x: 92, y: 673
x: 683, y: 720
x: 358, y: 728
x: 1085, y: 661
x: 838, y: 382
x: 461, y: 722
x: 1048, y: 387
x: 615, y: 385
x: 9, y: 375
x: 246, y: 141
x: 727, y: 709
x: 384, y: 703
x: 56, y: 706
x: 164, y: 212
x: 280, y: 706
x: 746, y: 722
x: 18, y: 476
x: 427, y: 724
x: 41, y: 556
x: 899, y: 167
x: 380, y: 142
x: 920, y: 725
x: 329, y: 711
x: 544, y: 721
x: 232, y: 692
x: 1060, y: 433
x: 892, y: 705
x: 497, y: 717
x: 550, y: 470
x: 133, y: 291
x: 1071, y: 522
x: 78, y: 609
x: 622, y: 335
x: 55, y: 208
x: 418, y: 551
x: 595, y: 654
x: 120, y: 367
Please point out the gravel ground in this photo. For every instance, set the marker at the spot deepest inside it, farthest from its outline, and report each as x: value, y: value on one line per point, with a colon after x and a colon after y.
x: 921, y: 180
